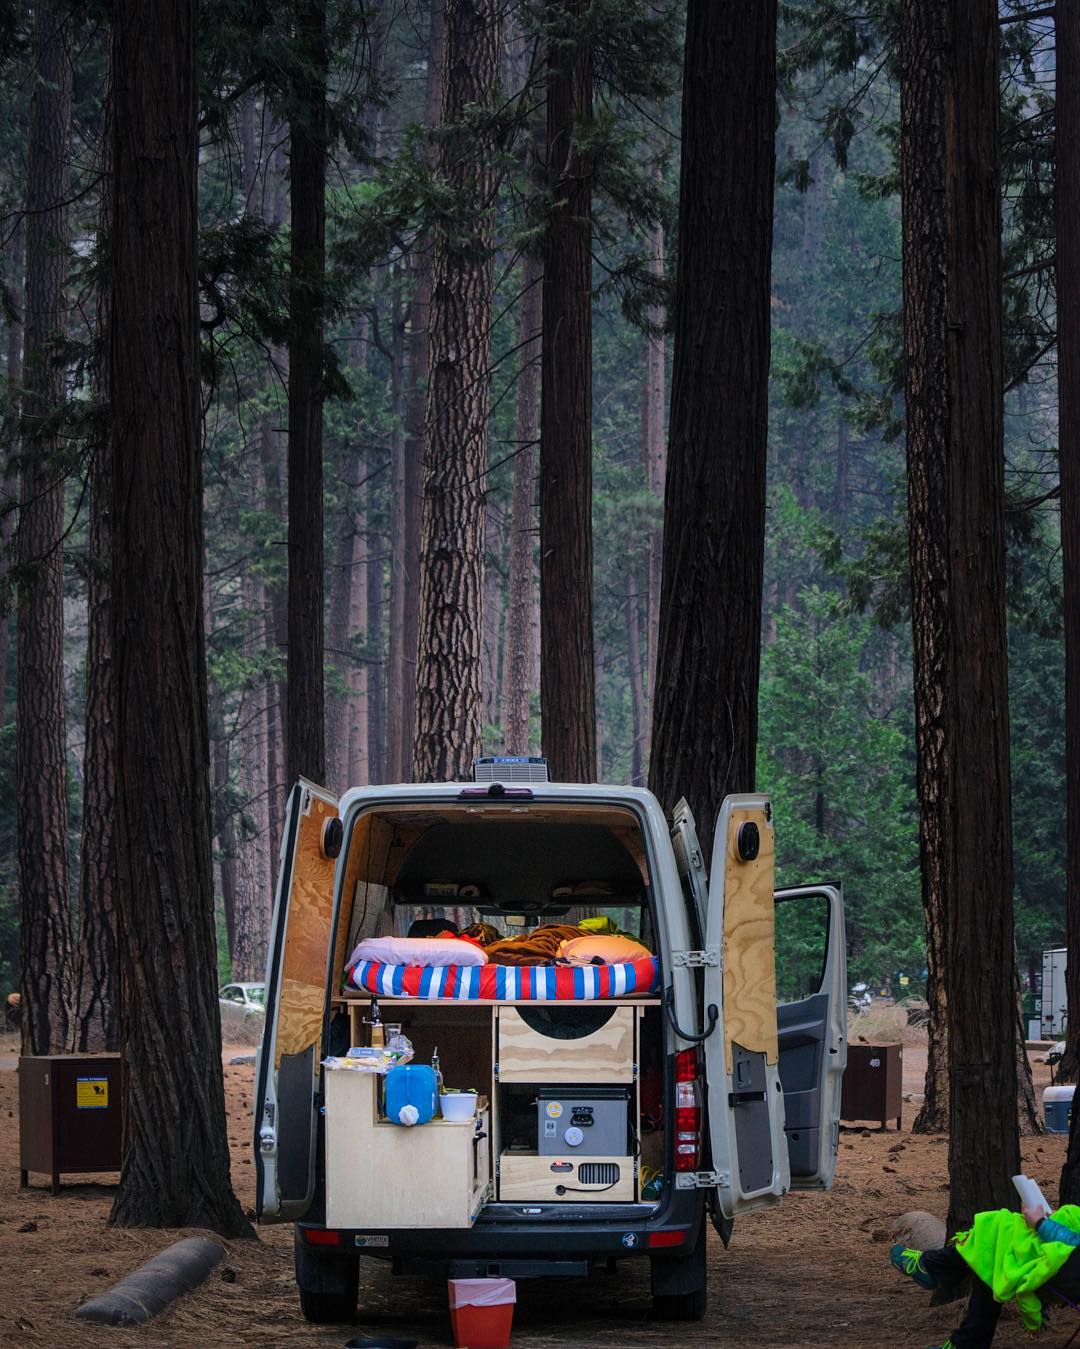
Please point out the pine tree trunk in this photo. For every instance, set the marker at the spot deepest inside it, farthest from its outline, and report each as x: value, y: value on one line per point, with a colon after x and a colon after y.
x: 952, y: 329
x: 567, y: 688
x: 402, y: 711
x: 522, y: 595
x: 41, y: 755
x: 254, y: 873
x: 705, y: 706
x: 400, y: 673
x: 493, y: 606
x: 448, y: 676
x: 637, y: 688
x: 97, y: 994
x: 342, y: 582
x: 8, y: 480
x: 359, y: 621
x: 655, y: 450
x: 305, y: 732
x: 1067, y: 186
x: 176, y: 1156
x: 375, y: 712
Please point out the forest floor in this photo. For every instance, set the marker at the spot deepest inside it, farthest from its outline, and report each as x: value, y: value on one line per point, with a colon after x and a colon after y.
x: 813, y: 1272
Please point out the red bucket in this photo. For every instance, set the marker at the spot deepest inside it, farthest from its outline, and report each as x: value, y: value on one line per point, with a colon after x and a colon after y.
x: 482, y: 1312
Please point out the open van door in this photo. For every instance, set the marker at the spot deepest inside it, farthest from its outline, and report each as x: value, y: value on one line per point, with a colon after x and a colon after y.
x: 691, y: 865
x: 745, y: 1099
x: 811, y: 982
x: 287, y: 1079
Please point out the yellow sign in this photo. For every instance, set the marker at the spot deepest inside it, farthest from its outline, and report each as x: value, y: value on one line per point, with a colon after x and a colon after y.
x: 904, y: 981
x: 91, y: 1093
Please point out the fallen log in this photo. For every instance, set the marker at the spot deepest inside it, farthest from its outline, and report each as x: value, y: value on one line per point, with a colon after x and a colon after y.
x: 149, y: 1289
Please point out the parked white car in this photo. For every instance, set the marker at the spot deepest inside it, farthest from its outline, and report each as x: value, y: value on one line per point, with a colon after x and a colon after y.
x: 243, y: 1010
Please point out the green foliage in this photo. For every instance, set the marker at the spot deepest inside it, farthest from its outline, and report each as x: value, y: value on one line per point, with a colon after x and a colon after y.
x: 834, y: 755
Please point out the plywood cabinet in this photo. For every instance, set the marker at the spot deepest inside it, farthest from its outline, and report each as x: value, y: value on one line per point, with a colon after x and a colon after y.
x: 381, y: 1175
x: 526, y: 1054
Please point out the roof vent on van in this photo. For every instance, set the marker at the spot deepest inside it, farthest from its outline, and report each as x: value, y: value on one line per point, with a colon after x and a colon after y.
x: 510, y: 769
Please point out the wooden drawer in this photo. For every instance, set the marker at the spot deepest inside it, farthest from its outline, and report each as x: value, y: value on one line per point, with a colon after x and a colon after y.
x: 524, y: 1176
x: 605, y: 1055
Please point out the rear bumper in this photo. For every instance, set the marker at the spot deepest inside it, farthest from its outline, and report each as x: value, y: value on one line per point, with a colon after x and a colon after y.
x: 554, y: 1240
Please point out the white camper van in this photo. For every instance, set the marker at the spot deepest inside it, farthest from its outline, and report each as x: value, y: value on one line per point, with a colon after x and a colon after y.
x: 618, y: 1103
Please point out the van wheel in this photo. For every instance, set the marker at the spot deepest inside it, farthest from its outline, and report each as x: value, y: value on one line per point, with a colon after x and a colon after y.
x: 328, y: 1308
x: 680, y: 1284
x: 680, y: 1306
x: 328, y: 1283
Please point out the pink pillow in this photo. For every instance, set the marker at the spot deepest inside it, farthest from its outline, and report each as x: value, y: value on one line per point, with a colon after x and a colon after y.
x: 608, y: 950
x: 439, y: 951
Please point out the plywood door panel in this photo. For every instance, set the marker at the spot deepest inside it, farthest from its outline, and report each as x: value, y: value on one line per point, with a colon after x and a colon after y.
x: 607, y: 1055
x: 302, y: 996
x: 750, y: 943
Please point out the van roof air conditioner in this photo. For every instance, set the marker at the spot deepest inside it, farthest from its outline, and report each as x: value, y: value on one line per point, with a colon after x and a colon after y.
x: 510, y: 769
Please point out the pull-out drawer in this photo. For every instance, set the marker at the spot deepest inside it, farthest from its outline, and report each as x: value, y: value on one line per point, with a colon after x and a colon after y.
x: 527, y: 1177
x: 566, y: 1044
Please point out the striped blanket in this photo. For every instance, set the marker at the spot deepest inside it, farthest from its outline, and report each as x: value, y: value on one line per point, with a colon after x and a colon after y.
x: 542, y: 983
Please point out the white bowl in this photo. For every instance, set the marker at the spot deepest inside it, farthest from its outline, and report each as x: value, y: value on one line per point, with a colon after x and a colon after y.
x: 460, y: 1106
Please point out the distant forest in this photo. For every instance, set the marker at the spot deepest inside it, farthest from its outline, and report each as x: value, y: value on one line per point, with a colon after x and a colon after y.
x: 836, y: 741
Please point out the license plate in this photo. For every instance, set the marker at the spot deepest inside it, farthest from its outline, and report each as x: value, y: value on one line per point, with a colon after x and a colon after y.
x: 372, y: 1241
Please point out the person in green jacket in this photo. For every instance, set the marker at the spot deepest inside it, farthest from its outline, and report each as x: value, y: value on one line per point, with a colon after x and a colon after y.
x: 1034, y: 1259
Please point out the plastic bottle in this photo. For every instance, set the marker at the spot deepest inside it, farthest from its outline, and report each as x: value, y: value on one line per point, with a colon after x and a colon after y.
x: 378, y: 1035
x: 437, y: 1069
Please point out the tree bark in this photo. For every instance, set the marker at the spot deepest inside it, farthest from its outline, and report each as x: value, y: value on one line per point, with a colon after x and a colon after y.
x: 493, y: 610
x: 359, y: 621
x: 567, y: 688
x: 448, y: 677
x: 375, y: 712
x: 41, y: 755
x: 342, y: 583
x: 176, y: 1156
x: 952, y: 331
x: 705, y: 705
x: 637, y: 687
x: 1066, y: 187
x: 96, y: 1026
x: 655, y: 451
x: 522, y: 595
x: 405, y: 562
x: 13, y: 365
x: 305, y: 733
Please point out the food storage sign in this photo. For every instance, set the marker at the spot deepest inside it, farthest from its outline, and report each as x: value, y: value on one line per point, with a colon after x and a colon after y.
x: 92, y: 1093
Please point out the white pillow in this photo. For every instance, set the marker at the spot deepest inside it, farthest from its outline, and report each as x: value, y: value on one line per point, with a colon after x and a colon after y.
x: 438, y: 951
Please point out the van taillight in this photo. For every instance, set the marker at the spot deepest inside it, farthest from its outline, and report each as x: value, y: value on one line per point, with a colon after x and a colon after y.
x: 687, y: 1110
x: 321, y: 1236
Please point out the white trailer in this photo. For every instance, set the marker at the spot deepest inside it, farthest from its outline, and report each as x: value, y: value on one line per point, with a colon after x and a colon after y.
x: 1054, y: 1000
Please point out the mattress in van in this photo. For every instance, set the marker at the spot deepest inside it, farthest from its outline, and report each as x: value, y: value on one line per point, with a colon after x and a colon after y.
x: 496, y: 983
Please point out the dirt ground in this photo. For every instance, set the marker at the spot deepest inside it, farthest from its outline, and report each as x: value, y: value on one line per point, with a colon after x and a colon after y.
x: 812, y: 1272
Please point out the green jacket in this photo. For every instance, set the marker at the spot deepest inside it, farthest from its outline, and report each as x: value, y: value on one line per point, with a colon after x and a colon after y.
x: 1006, y: 1254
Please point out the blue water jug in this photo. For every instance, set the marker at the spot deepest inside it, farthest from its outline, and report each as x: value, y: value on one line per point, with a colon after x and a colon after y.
x: 411, y: 1084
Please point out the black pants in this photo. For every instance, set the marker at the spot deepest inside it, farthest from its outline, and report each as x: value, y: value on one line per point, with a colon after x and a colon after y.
x: 976, y: 1330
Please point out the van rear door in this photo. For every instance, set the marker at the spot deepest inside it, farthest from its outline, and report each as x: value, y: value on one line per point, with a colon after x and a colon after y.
x: 745, y: 1101
x: 287, y: 1079
x: 691, y: 865
x: 811, y: 980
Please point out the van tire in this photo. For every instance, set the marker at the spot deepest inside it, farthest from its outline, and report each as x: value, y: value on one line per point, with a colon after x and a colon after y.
x: 328, y: 1283
x: 326, y: 1309
x: 680, y: 1306
x: 680, y: 1284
